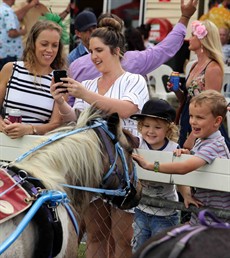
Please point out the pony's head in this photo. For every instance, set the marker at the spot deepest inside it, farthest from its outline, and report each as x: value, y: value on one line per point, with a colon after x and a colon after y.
x: 94, y: 152
x: 119, y: 169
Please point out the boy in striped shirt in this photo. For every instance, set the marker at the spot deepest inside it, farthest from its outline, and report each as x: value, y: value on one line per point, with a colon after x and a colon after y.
x: 207, y: 111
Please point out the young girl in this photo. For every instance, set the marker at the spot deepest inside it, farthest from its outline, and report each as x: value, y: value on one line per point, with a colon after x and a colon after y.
x: 207, y: 111
x: 158, y: 132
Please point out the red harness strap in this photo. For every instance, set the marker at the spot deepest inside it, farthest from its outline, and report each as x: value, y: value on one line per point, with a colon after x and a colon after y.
x: 13, y: 197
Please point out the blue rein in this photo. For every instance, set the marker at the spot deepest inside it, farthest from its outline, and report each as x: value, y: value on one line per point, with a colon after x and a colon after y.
x: 52, y: 197
x: 58, y: 197
x: 118, y: 151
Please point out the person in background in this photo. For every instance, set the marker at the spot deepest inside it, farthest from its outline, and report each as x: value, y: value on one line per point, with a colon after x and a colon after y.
x: 11, y: 47
x: 218, y: 13
x: 29, y: 87
x: 144, y: 29
x: 142, y: 62
x: 158, y: 132
x: 114, y: 91
x: 207, y: 111
x: 29, y: 16
x: 206, y: 73
x: 133, y: 39
x: 85, y: 23
x: 225, y: 41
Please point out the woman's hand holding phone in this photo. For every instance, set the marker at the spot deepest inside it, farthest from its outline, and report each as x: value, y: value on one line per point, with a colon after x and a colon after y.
x: 58, y: 75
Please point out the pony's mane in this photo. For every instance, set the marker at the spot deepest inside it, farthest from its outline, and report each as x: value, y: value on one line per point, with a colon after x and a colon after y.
x: 76, y: 157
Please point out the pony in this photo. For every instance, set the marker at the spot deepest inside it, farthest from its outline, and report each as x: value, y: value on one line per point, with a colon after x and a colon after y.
x: 210, y: 239
x: 98, y: 155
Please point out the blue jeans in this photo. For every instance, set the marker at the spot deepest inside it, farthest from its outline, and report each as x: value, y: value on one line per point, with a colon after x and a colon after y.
x: 147, y: 225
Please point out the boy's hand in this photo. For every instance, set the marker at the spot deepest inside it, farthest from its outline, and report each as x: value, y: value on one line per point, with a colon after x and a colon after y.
x: 188, y: 199
x: 178, y: 152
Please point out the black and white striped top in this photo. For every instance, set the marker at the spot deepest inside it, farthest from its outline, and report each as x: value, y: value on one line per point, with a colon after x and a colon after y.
x: 31, y: 94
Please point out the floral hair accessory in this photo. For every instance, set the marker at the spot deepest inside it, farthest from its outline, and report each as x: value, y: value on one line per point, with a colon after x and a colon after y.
x: 199, y: 30
x: 57, y: 19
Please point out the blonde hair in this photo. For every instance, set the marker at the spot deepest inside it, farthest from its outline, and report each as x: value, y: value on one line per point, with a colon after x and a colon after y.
x: 172, y: 132
x: 211, y: 42
x: 214, y: 99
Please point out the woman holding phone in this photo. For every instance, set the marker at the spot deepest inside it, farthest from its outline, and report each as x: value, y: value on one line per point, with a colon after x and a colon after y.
x: 25, y: 85
x: 114, y: 91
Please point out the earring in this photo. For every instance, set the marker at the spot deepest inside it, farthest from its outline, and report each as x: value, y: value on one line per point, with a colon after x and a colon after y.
x: 202, y: 50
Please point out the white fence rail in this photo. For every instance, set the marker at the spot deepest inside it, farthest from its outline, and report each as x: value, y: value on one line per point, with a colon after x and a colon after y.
x: 215, y: 176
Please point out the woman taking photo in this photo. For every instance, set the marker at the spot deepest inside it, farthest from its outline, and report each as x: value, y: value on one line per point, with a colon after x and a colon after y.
x: 114, y: 91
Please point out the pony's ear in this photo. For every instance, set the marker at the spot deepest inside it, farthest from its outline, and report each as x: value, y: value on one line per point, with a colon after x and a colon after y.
x: 113, y: 123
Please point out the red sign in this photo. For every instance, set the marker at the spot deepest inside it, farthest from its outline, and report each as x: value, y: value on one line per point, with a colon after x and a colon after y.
x: 164, y: 0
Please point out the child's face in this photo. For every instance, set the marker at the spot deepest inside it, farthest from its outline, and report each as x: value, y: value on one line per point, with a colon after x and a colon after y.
x: 154, y: 131
x: 202, y: 121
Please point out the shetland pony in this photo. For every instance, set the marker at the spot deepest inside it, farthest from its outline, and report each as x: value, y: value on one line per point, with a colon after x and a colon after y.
x: 205, y: 240
x: 80, y: 159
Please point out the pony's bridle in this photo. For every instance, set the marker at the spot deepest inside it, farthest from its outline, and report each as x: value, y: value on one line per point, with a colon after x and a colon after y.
x: 58, y: 197
x: 124, y: 181
x: 128, y: 191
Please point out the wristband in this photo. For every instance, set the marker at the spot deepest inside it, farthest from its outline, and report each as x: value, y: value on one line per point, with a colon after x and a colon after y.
x: 156, y: 166
x: 34, y: 131
x: 186, y: 16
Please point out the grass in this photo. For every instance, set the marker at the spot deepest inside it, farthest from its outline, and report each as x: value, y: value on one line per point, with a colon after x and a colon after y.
x: 82, y: 250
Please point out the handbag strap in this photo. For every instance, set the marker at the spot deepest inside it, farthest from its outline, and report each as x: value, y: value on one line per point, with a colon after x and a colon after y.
x: 9, y: 83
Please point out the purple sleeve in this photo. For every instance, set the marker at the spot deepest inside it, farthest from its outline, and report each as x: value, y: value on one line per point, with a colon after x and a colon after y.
x: 139, y: 62
x: 83, y: 69
x: 143, y: 62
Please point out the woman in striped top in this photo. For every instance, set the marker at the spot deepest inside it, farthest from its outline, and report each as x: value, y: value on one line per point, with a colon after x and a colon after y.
x: 25, y: 85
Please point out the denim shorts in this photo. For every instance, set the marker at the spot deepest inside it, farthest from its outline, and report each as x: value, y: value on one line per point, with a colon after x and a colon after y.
x: 147, y: 225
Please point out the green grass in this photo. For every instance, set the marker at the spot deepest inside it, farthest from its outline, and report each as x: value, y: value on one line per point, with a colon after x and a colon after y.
x: 82, y: 250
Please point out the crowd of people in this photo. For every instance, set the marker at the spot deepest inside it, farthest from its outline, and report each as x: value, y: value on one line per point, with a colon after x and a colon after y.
x: 106, y: 70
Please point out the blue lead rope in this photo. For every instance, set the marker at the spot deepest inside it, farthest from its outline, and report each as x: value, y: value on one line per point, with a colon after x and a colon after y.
x: 118, y: 192
x: 56, y: 137
x: 52, y: 196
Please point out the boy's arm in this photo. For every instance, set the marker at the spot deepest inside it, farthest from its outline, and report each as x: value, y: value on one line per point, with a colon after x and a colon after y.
x: 186, y: 193
x: 180, y: 167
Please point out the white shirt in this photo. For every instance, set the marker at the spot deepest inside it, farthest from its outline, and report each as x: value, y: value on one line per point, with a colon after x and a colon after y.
x: 129, y: 87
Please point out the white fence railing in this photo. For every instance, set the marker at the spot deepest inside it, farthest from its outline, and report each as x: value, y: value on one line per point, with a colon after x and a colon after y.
x: 215, y: 176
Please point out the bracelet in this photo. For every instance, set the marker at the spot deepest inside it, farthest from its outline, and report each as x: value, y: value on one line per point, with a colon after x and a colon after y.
x: 185, y: 16
x: 34, y: 130
x: 156, y: 166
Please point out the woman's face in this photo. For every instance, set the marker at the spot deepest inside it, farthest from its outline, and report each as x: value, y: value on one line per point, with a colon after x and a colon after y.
x: 194, y: 43
x: 101, y: 55
x: 46, y: 47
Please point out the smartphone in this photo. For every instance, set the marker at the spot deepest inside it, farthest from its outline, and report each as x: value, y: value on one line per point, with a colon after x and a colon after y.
x: 58, y: 74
